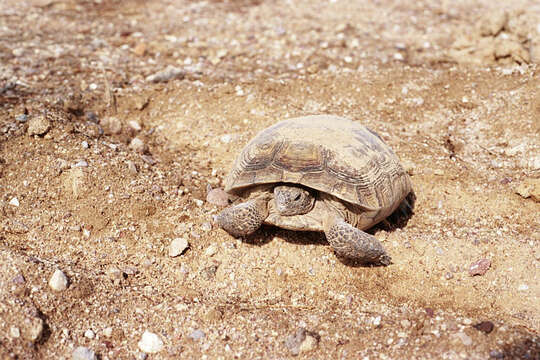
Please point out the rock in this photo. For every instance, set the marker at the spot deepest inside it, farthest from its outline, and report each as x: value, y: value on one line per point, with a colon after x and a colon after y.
x: 197, y: 335
x: 302, y: 341
x: 135, y: 125
x: 529, y: 188
x: 58, y: 281
x: 169, y: 73
x: 493, y: 23
x: 178, y: 246
x: 14, y: 332
x: 111, y: 125
x: 227, y: 138
x: 465, y: 339
x: 150, y: 343
x: 89, y: 334
x: 14, y: 202
x: 22, y: 118
x: 479, y: 267
x: 107, y: 332
x: 211, y: 250
x: 509, y: 48
x: 138, y: 145
x: 140, y: 49
x: 33, y: 329
x: 217, y: 197
x: 484, y: 326
x: 83, y: 353
x: 132, y: 167
x: 38, y: 125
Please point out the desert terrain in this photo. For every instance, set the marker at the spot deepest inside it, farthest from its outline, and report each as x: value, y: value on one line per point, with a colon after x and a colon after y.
x: 118, y: 118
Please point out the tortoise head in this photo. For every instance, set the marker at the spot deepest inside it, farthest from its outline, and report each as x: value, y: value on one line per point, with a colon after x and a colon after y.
x: 293, y: 200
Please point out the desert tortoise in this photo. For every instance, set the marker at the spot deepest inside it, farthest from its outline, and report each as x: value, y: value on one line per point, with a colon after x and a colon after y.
x: 318, y: 173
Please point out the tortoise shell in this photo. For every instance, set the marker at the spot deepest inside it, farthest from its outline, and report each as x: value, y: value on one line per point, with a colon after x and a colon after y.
x: 327, y: 153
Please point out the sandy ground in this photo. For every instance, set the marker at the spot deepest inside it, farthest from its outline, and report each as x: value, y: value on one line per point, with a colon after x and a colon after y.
x: 117, y: 117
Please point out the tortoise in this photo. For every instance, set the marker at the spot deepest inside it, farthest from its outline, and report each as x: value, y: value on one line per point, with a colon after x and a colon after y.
x: 318, y: 173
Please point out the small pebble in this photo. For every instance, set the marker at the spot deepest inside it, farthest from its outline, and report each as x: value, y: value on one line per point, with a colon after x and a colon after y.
x: 302, y: 341
x: 150, y: 343
x: 89, y: 334
x: 38, y: 125
x: 107, y: 332
x: 83, y: 353
x: 35, y: 329
x: 58, y: 281
x: 14, y: 332
x: 14, y: 202
x: 495, y: 354
x: 523, y: 287
x: 484, y: 326
x: 85, y: 145
x: 138, y: 145
x: 217, y: 197
x: 211, y: 250
x: 225, y: 138
x: 377, y: 320
x: 135, y: 125
x: 177, y: 247
x: 197, y: 335
x: 529, y: 188
x: 479, y: 267
x: 81, y: 163
x: 132, y: 167
x: 169, y: 73
x: 22, y: 118
x: 465, y: 339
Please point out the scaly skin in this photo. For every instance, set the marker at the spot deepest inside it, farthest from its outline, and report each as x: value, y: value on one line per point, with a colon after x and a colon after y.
x: 355, y: 244
x: 243, y: 219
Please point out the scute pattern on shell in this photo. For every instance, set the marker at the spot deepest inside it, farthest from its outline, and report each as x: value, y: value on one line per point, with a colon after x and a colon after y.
x: 327, y: 153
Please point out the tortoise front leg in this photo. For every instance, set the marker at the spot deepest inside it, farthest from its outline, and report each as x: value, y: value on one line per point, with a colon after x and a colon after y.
x: 354, y: 244
x: 243, y: 219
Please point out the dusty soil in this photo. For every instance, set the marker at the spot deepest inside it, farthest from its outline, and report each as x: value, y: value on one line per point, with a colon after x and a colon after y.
x: 452, y: 86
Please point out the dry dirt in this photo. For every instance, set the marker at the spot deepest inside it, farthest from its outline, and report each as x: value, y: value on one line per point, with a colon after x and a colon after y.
x: 452, y: 86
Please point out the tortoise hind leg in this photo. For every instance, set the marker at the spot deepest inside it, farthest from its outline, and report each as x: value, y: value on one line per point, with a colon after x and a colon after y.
x: 243, y: 219
x: 355, y: 244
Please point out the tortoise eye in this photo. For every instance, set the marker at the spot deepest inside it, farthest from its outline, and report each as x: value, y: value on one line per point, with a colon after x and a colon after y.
x: 297, y: 197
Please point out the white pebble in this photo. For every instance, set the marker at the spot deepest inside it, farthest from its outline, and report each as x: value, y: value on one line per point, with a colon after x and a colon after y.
x: 14, y: 202
x: 89, y: 334
x: 58, y: 281
x: 225, y: 138
x: 83, y: 353
x: 85, y: 144
x: 377, y: 320
x: 107, y: 332
x: 465, y: 339
x: 523, y: 287
x: 177, y: 247
x: 150, y: 343
x: 14, y: 332
x: 93, y: 86
x: 211, y: 250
